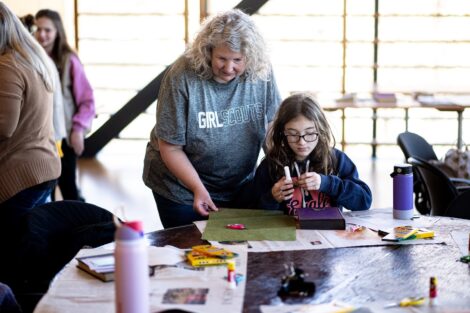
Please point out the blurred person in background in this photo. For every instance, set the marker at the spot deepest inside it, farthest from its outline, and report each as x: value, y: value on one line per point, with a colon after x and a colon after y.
x: 58, y: 112
x: 77, y: 93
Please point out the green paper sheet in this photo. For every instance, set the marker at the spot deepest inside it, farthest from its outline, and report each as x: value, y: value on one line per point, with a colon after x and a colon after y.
x: 260, y: 225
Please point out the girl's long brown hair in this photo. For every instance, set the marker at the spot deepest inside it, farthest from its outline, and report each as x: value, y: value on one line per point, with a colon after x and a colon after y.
x: 279, y: 153
x: 61, y: 48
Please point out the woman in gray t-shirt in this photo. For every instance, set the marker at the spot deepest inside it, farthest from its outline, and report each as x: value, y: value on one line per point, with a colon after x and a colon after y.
x: 214, y: 107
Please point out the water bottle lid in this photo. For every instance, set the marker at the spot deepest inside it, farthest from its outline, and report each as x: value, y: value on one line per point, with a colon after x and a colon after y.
x: 135, y: 225
x: 129, y: 231
x: 402, y: 169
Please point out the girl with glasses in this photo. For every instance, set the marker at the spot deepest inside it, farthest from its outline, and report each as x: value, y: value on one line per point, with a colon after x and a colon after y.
x: 321, y: 176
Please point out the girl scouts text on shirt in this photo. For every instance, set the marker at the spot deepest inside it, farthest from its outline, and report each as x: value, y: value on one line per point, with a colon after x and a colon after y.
x: 232, y: 116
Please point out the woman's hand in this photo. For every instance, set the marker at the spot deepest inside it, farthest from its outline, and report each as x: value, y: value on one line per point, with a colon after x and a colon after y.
x: 179, y: 165
x: 310, y: 181
x: 77, y: 142
x: 203, y: 203
x: 282, y: 190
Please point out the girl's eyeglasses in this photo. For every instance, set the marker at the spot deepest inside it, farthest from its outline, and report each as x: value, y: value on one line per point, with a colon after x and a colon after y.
x: 310, y: 137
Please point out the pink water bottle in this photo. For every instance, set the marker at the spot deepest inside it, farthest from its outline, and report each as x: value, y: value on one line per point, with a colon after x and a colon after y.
x: 131, y: 269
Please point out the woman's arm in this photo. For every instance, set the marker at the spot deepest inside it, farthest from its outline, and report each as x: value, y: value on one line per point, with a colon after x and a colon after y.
x: 84, y: 99
x: 179, y: 165
x: 83, y: 96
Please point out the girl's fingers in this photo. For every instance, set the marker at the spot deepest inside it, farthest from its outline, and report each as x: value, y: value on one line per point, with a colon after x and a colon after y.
x: 284, y: 192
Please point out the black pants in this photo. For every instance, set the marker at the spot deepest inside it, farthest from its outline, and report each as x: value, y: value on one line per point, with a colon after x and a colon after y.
x: 44, y: 240
x: 67, y: 181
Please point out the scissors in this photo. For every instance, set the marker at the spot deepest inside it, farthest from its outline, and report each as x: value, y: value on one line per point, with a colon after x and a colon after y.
x: 408, y: 301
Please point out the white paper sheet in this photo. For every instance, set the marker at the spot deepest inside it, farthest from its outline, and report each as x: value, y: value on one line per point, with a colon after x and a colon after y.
x: 462, y: 240
x: 338, y: 307
x: 383, y: 219
x: 175, y: 285
x: 332, y: 307
x: 374, y: 219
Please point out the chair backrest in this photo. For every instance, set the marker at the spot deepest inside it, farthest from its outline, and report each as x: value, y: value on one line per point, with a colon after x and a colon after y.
x: 440, y: 190
x: 460, y: 206
x: 413, y: 145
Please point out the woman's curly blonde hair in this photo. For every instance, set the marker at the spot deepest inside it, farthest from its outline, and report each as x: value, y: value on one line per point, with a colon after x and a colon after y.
x: 238, y: 31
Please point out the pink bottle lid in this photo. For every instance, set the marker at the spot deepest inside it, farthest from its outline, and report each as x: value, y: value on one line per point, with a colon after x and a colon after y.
x: 130, y: 231
x: 135, y: 225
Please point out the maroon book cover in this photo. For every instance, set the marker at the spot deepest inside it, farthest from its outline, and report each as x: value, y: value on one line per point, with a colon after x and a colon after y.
x: 323, y: 218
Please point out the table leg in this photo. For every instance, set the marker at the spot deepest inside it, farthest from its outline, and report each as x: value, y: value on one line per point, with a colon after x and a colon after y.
x: 374, y: 132
x: 407, y: 117
x: 459, y: 129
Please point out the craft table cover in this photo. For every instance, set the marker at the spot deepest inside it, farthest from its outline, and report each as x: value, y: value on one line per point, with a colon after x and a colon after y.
x: 260, y: 225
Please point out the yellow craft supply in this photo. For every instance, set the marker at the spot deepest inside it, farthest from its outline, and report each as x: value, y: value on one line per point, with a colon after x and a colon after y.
x: 58, y: 145
x: 214, y: 251
x: 231, y: 273
x: 198, y: 259
x: 412, y: 301
x: 408, y: 301
x: 400, y: 233
x: 231, y: 265
x: 424, y: 233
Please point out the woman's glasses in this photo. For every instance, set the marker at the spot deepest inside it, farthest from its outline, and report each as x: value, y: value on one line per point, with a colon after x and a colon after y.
x: 310, y: 137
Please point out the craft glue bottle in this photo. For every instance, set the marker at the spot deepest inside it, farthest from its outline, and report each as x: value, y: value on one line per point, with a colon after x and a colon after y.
x: 402, y: 191
x: 131, y: 269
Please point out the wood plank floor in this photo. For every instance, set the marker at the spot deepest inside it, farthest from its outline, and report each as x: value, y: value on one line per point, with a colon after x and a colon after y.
x: 113, y: 179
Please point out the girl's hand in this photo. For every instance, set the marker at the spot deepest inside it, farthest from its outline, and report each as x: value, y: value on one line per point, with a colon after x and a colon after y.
x: 282, y: 190
x: 77, y: 142
x: 310, y: 181
x: 203, y: 203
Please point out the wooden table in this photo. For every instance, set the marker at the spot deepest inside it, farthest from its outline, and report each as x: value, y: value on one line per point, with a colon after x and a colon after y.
x: 360, y: 274
x: 404, y: 103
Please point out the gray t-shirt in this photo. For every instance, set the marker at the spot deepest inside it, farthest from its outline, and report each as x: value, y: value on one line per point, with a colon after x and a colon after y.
x: 220, y: 126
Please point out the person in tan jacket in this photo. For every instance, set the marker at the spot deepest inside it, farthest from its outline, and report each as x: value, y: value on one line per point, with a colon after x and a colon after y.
x: 29, y: 161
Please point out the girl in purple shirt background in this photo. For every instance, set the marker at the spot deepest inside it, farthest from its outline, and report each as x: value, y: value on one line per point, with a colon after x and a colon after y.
x: 78, y: 100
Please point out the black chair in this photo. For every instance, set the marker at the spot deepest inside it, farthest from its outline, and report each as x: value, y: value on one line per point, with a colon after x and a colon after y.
x: 444, y: 196
x: 460, y: 206
x: 413, y: 145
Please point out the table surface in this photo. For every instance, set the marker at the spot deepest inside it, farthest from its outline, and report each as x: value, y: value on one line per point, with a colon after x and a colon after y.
x: 455, y: 103
x: 358, y: 274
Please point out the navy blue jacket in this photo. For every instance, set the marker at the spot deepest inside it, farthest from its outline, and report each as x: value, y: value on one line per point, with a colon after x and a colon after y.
x: 344, y: 189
